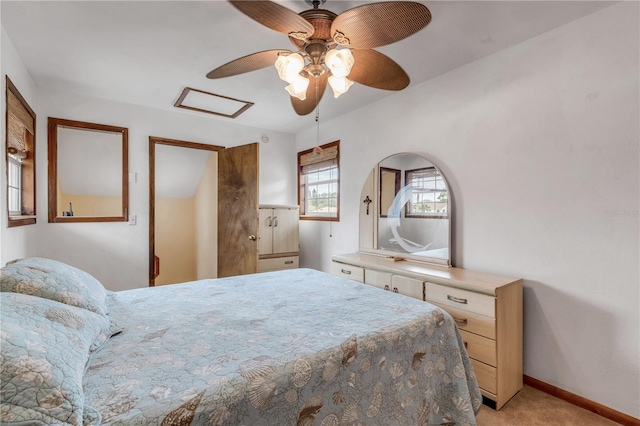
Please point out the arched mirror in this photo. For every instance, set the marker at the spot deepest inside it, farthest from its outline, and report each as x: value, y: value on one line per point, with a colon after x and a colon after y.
x: 88, y: 172
x: 406, y: 210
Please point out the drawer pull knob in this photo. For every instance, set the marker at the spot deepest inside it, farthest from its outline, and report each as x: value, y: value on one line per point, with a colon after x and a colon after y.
x: 386, y: 287
x: 395, y: 289
x: 460, y: 321
x: 288, y: 262
x: 344, y: 271
x: 456, y: 299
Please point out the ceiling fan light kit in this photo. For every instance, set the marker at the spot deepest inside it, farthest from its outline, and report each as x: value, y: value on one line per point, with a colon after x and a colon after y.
x: 316, y: 33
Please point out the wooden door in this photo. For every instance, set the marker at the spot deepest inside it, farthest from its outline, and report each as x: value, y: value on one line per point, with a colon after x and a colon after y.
x: 265, y: 241
x: 238, y: 210
x: 285, y: 230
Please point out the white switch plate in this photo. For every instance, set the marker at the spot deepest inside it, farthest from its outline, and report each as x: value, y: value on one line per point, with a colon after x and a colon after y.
x: 132, y: 220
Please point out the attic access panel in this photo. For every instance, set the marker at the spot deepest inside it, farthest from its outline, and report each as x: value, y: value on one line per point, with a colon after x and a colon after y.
x: 210, y: 103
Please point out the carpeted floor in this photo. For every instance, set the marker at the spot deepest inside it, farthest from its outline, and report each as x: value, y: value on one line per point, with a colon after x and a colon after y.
x: 531, y: 407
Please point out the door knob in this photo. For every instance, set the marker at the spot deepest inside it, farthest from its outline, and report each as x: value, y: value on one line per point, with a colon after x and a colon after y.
x: 252, y: 237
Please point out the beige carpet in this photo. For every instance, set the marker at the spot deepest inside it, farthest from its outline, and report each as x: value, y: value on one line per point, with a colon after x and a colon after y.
x: 531, y: 407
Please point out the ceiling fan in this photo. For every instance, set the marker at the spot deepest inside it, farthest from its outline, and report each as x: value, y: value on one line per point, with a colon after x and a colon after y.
x: 330, y: 47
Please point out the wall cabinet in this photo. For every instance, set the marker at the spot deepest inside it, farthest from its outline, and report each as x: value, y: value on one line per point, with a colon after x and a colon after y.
x: 278, y: 232
x: 487, y: 309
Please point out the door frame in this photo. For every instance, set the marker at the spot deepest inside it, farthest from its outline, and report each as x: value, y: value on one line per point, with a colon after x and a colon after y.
x: 153, y: 140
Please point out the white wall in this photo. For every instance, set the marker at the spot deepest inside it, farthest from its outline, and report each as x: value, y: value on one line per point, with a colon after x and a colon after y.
x: 115, y: 253
x: 18, y: 241
x: 540, y: 145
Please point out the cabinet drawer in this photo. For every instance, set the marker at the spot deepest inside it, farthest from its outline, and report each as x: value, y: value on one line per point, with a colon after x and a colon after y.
x: 351, y: 272
x: 278, y: 263
x: 377, y: 279
x: 480, y: 348
x: 470, y: 321
x: 408, y: 286
x: 467, y: 300
x: 486, y: 376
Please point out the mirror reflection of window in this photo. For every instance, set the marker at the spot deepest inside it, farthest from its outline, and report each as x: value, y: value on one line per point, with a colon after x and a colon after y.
x: 429, y: 193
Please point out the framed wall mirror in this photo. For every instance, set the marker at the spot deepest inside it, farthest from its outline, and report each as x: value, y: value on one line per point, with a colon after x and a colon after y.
x: 413, y: 210
x: 88, y: 172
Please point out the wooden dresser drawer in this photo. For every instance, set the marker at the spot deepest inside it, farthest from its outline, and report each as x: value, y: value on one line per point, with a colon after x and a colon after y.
x: 278, y: 263
x: 377, y: 279
x: 486, y: 376
x: 480, y: 348
x: 408, y: 286
x: 470, y: 321
x: 351, y: 272
x: 482, y: 304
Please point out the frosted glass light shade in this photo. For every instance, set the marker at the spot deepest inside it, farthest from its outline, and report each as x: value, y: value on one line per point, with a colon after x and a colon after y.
x: 339, y: 62
x: 289, y: 66
x: 339, y: 85
x: 298, y: 87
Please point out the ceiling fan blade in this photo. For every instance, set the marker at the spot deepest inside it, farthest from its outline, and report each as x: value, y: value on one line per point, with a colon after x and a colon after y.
x: 374, y: 69
x: 252, y: 62
x: 378, y: 24
x: 276, y: 17
x: 309, y: 104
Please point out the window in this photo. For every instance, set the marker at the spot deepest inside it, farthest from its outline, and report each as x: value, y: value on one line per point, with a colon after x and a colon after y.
x: 429, y: 194
x: 21, y: 161
x: 14, y: 174
x: 319, y: 182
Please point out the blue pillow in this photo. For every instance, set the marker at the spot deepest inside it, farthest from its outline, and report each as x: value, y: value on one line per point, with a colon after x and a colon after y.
x: 45, y: 349
x: 54, y: 280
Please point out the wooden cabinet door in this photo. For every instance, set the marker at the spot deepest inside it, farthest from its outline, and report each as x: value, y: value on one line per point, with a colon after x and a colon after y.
x: 408, y: 286
x: 238, y: 210
x: 285, y: 230
x: 265, y: 241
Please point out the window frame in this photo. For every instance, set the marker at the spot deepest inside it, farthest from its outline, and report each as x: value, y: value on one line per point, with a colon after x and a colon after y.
x: 435, y: 215
x: 28, y: 165
x: 302, y: 185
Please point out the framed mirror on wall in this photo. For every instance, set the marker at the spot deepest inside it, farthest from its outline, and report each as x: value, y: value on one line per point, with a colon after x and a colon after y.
x: 88, y: 172
x: 413, y: 219
x: 20, y: 157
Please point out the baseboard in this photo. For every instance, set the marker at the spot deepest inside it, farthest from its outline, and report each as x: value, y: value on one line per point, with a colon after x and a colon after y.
x: 594, y: 407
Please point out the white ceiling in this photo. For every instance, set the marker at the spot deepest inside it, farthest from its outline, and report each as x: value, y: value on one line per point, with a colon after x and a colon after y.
x: 146, y: 52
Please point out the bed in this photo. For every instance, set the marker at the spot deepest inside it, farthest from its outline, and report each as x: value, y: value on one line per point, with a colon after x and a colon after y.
x: 296, y: 347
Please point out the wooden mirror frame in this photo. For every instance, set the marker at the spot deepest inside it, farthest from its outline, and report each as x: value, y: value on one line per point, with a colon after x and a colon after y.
x: 52, y: 129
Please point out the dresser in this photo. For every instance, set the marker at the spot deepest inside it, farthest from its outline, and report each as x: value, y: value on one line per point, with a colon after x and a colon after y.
x: 487, y: 309
x: 278, y: 244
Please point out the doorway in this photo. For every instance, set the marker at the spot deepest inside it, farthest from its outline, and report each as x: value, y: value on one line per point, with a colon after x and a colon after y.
x: 183, y: 204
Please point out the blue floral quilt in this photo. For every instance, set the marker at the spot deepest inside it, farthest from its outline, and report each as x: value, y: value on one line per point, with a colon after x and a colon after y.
x: 297, y: 347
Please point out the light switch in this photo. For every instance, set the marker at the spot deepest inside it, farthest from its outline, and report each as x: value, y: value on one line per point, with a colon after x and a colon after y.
x: 132, y: 220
